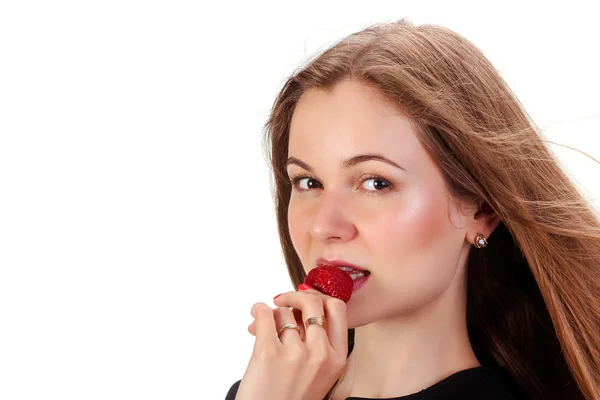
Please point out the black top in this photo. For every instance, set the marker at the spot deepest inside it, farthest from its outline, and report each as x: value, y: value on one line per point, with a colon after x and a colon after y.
x: 479, y: 383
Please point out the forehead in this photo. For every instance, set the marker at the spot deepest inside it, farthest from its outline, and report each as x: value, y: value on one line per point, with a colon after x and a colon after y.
x: 348, y: 120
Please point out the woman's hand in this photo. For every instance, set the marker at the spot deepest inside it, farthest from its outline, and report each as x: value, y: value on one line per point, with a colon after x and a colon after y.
x: 299, y: 365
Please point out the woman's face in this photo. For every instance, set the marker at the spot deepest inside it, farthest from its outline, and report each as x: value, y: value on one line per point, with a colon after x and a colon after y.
x: 395, y: 221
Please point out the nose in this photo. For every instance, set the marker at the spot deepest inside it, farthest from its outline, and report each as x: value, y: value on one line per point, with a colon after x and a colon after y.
x: 332, y: 220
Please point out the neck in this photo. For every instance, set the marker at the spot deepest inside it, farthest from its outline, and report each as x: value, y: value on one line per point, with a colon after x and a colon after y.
x: 406, y: 354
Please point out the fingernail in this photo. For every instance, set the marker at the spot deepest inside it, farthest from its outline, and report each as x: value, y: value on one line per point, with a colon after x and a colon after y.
x: 304, y: 286
x: 277, y: 296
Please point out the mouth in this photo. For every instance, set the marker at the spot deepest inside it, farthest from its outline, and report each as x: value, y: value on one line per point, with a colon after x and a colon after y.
x: 355, y: 274
x: 354, y: 271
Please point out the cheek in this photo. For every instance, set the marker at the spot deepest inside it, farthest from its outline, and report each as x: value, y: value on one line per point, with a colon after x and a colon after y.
x: 419, y: 248
x: 414, y: 224
x: 299, y: 230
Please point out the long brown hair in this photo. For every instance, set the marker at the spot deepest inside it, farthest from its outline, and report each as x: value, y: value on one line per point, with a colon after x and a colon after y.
x: 533, y: 298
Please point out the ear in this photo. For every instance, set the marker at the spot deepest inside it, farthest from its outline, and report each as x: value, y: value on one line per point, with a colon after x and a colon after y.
x: 483, y: 224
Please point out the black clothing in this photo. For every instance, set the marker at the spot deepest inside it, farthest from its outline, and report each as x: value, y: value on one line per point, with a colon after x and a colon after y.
x: 479, y: 383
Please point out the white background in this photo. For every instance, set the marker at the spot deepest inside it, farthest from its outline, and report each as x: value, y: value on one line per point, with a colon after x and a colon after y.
x: 136, y: 221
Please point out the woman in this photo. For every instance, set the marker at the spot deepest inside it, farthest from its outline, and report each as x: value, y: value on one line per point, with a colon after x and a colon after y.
x: 401, y: 151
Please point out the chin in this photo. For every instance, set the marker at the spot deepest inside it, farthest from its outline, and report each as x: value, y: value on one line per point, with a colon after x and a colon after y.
x: 364, y: 313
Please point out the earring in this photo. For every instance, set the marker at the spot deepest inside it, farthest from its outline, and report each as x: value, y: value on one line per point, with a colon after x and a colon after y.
x: 480, y: 241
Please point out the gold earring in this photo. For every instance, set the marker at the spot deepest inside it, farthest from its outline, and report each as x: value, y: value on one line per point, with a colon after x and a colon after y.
x: 480, y: 241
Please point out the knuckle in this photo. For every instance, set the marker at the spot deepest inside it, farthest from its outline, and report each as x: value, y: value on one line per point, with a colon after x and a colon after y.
x: 336, y: 304
x: 319, y: 356
x: 255, y: 309
x: 338, y: 361
x: 264, y: 311
x: 284, y: 311
x: 314, y: 300
x: 296, y: 356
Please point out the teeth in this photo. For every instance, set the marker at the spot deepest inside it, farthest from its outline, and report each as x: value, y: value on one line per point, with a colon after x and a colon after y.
x: 357, y: 275
x: 354, y: 274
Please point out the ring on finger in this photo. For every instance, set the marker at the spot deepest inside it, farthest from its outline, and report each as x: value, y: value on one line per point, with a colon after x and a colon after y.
x: 320, y: 320
x: 288, y: 326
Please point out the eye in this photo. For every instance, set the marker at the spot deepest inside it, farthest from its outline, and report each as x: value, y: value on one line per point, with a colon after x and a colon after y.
x: 375, y: 183
x: 304, y: 182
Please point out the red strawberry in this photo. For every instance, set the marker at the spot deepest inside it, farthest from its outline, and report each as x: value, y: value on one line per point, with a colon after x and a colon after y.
x: 331, y: 281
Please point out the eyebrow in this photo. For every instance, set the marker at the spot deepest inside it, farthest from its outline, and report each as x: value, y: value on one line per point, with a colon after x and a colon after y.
x: 351, y: 162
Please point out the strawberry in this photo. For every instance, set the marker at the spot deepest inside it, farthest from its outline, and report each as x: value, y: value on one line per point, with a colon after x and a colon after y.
x: 331, y: 281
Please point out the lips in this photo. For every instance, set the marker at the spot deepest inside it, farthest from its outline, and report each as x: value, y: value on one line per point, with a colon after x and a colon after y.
x: 344, y: 265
